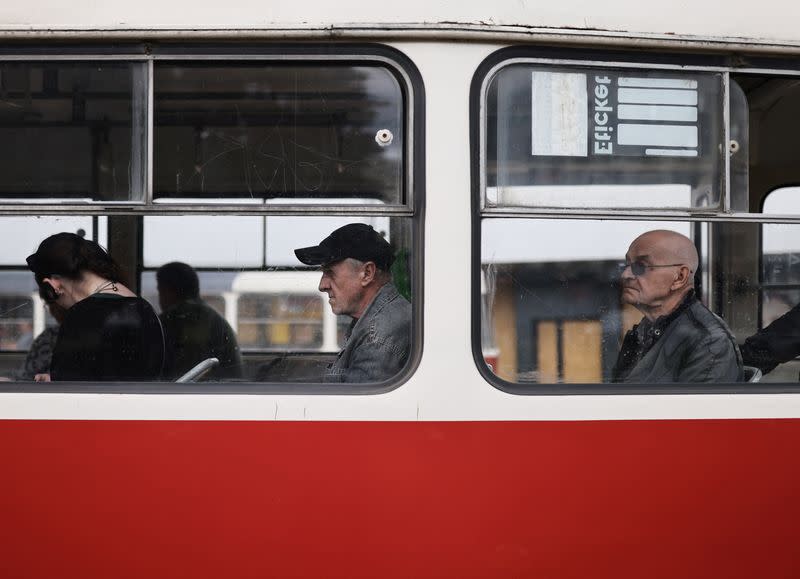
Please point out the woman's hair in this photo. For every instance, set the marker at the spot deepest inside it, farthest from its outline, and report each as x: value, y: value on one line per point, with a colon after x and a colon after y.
x: 69, y: 255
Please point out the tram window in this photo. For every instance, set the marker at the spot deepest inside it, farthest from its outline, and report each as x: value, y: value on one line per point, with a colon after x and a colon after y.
x: 224, y: 164
x: 577, y: 155
x: 251, y: 130
x: 602, y: 138
x: 783, y: 201
x: 556, y: 311
x: 554, y: 308
x: 780, y: 268
x: 274, y: 309
x: 780, y: 260
x: 72, y: 130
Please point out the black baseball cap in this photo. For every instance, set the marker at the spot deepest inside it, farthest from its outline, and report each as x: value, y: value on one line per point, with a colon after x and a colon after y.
x: 356, y: 240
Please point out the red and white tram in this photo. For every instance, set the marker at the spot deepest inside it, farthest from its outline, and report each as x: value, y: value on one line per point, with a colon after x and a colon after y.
x: 510, y: 152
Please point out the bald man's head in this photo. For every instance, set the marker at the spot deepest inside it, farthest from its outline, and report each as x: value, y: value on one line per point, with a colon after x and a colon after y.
x: 662, y: 273
x: 669, y: 246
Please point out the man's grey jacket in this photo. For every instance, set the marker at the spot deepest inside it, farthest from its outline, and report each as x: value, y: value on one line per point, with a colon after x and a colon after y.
x: 378, y: 343
x: 689, y: 345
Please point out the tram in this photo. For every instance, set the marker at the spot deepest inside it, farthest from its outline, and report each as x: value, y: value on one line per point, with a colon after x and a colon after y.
x: 510, y: 152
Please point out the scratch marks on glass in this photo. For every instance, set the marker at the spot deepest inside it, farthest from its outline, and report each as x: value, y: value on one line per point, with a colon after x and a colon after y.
x: 5, y: 313
x: 270, y: 166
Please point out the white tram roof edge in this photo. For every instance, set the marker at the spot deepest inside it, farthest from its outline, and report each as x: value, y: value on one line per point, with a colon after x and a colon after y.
x: 773, y: 20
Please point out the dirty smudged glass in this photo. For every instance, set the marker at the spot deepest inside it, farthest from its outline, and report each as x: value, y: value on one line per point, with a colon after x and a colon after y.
x: 255, y: 130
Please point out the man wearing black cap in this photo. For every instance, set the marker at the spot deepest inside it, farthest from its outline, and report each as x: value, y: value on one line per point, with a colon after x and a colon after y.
x: 355, y: 262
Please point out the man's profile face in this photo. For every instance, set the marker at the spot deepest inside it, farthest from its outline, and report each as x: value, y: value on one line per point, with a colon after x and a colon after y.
x: 651, y: 287
x: 341, y: 280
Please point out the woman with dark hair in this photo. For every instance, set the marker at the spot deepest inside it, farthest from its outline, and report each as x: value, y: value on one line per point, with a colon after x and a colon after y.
x: 108, y: 332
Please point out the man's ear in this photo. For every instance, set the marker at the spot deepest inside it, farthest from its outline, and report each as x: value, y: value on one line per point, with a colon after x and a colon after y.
x: 368, y: 275
x: 683, y: 278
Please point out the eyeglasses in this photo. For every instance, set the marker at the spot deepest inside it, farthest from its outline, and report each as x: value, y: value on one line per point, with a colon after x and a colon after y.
x: 639, y: 268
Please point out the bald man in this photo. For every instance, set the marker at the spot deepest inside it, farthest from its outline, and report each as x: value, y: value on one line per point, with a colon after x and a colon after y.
x: 679, y: 339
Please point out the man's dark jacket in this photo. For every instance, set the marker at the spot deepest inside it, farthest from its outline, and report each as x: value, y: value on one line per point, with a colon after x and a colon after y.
x: 194, y: 331
x: 691, y: 344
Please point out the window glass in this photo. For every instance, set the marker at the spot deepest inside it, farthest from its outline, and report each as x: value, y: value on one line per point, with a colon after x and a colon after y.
x: 72, y: 130
x: 267, y: 135
x: 204, y: 240
x: 275, y: 309
x: 214, y: 288
x: 239, y: 241
x: 16, y: 320
x: 781, y: 253
x: 554, y: 308
x: 603, y: 137
x: 256, y: 130
x: 785, y: 200
x: 27, y: 232
x: 274, y: 313
x: 284, y: 234
x: 290, y: 321
x: 561, y: 302
x: 780, y: 268
x: 557, y: 312
x: 776, y: 302
x: 780, y: 260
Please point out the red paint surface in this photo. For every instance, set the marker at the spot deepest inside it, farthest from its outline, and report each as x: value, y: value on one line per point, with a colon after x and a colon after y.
x: 288, y: 499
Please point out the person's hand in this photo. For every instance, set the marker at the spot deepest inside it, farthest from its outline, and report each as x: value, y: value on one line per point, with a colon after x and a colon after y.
x: 41, y: 378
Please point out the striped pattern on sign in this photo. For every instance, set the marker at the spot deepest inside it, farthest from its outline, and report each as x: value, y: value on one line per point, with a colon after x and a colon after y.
x: 655, y: 107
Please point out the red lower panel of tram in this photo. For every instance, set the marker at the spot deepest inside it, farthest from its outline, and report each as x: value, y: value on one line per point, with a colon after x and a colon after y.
x: 707, y: 498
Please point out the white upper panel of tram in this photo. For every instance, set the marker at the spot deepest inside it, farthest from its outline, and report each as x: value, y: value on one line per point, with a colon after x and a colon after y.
x: 767, y: 21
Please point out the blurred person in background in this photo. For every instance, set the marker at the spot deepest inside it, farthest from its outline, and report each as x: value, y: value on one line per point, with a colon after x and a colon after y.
x: 193, y: 330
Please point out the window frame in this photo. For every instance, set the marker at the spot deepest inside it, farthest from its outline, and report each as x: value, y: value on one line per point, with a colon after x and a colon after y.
x: 413, y: 189
x: 631, y: 59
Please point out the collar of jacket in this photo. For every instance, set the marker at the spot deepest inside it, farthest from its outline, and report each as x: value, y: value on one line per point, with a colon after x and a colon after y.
x: 649, y: 332
x: 386, y: 293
